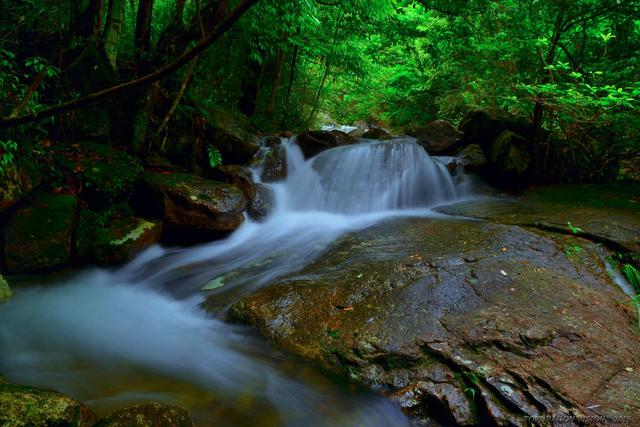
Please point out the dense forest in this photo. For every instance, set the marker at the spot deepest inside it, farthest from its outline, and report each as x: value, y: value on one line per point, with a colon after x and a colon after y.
x: 568, y: 67
x: 319, y: 212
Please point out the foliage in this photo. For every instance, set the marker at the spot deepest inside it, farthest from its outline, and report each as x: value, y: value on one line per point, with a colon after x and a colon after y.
x: 8, y: 151
x: 215, y: 157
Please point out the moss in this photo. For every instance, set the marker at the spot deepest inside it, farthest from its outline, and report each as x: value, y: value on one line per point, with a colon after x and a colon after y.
x: 27, y: 406
x: 5, y: 290
x: 38, y: 236
x: 134, y: 234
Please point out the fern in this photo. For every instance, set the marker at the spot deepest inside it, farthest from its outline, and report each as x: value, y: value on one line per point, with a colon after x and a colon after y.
x: 215, y: 157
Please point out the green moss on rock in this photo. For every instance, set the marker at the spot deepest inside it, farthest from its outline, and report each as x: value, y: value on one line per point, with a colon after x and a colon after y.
x: 38, y: 235
x: 106, y: 175
x: 22, y: 406
x: 5, y: 292
x: 149, y: 415
x: 123, y: 239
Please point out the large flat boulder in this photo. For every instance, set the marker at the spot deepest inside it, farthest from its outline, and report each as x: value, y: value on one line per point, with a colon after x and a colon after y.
x: 191, y: 206
x: 467, y: 322
x: 38, y: 235
x: 606, y: 213
x: 22, y: 406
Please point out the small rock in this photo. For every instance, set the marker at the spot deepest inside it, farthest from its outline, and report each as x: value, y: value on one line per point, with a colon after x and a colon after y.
x: 262, y: 204
x: 275, y: 165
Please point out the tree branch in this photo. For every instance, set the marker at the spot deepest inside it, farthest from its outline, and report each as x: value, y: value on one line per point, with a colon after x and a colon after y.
x: 154, y: 76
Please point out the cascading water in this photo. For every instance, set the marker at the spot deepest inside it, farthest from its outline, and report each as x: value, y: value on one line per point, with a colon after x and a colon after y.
x: 113, y: 338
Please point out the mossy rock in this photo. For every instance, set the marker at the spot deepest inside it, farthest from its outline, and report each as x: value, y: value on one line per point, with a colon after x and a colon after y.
x: 125, y: 238
x: 38, y: 236
x: 5, y: 294
x: 19, y: 178
x: 106, y: 175
x: 509, y: 159
x: 191, y: 206
x: 117, y: 241
x: 22, y: 406
x: 148, y: 415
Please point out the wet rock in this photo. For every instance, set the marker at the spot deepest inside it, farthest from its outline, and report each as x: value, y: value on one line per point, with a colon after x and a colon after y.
x: 123, y: 239
x: 148, y: 415
x: 5, y: 294
x: 472, y: 158
x: 377, y: 133
x: 606, y: 213
x: 238, y: 176
x: 262, y: 204
x: 38, y: 235
x: 22, y: 406
x: 468, y: 321
x: 20, y: 177
x: 484, y: 126
x: 438, y: 137
x: 192, y: 208
x: 225, y: 132
x: 275, y: 165
x: 314, y: 141
x: 105, y: 175
x: 509, y: 157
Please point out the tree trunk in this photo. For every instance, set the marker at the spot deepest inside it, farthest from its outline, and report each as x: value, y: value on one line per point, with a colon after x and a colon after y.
x: 113, y: 30
x: 143, y: 35
x: 277, y: 78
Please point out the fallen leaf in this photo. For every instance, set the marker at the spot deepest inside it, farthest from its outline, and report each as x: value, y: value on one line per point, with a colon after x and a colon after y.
x: 214, y: 284
x: 347, y: 309
x: 359, y: 276
x: 628, y: 369
x: 504, y: 273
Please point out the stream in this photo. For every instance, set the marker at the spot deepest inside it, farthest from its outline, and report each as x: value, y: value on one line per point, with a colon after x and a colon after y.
x: 113, y: 338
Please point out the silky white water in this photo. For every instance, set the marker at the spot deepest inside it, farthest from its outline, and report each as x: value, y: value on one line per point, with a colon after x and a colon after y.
x: 112, y: 338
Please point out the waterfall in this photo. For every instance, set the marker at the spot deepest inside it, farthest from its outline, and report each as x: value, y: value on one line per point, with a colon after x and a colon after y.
x: 366, y: 178
x: 108, y: 336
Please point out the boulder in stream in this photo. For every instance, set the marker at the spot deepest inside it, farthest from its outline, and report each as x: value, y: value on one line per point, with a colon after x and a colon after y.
x: 262, y: 204
x: 314, y: 141
x: 22, y: 406
x: 467, y: 322
x: 124, y: 239
x: 238, y: 176
x: 192, y: 208
x: 38, y: 234
x: 275, y: 165
x: 438, y: 137
x: 377, y: 133
x: 148, y: 415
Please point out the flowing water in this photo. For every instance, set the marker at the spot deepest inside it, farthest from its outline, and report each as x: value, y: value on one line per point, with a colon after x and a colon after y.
x: 112, y: 338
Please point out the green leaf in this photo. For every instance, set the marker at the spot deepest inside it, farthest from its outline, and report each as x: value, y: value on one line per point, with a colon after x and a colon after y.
x: 216, y: 283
